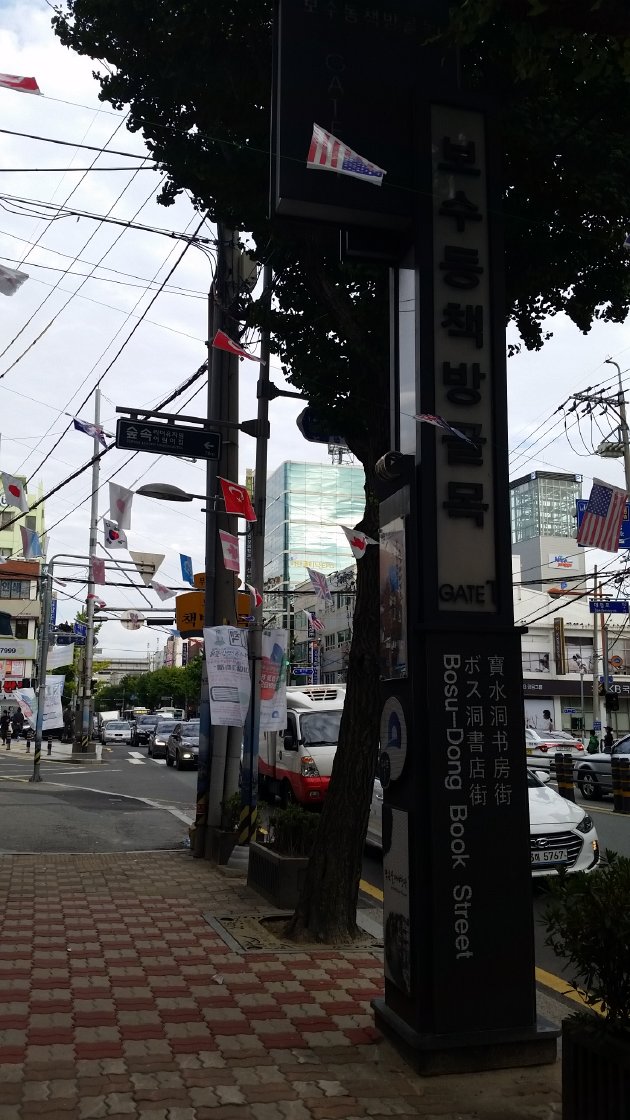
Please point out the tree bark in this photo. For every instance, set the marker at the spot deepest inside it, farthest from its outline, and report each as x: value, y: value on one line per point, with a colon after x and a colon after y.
x: 328, y: 902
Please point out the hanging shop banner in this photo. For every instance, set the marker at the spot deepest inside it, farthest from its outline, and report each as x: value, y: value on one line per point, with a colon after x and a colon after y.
x: 53, y: 714
x: 228, y: 675
x: 273, y: 681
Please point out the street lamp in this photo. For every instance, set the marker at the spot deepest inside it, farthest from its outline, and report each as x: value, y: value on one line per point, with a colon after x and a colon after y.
x: 164, y: 492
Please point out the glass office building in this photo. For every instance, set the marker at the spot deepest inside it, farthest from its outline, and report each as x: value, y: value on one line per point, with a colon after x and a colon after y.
x: 306, y: 504
x: 542, y: 504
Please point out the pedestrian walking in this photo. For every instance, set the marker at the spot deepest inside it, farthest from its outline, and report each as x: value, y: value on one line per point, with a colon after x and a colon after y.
x: 4, y: 727
x: 593, y: 743
x: 18, y: 724
x: 608, y: 739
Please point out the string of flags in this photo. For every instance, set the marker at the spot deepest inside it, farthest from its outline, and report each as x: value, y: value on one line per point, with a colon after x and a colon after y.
x: 163, y: 593
x: 222, y: 341
x: 328, y: 153
x: 358, y: 541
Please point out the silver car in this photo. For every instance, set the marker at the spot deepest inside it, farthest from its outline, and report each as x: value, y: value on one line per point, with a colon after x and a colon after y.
x: 182, y: 748
x: 156, y: 747
x: 117, y: 731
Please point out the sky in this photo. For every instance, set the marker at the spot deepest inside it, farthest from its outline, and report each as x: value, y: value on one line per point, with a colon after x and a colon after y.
x: 60, y: 332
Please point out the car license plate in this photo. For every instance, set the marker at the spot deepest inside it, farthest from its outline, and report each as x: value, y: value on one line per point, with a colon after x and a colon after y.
x: 553, y: 855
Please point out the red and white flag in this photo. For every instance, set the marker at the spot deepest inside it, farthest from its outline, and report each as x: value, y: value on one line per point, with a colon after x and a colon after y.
x: 114, y: 536
x: 161, y: 591
x: 120, y: 500
x: 10, y: 280
x: 14, y: 492
x: 237, y: 500
x: 320, y: 585
x: 358, y: 541
x: 601, y: 523
x: 229, y: 544
x: 98, y: 602
x: 255, y: 595
x: 327, y: 153
x: 315, y: 622
x: 98, y: 570
x: 23, y: 85
x: 222, y: 341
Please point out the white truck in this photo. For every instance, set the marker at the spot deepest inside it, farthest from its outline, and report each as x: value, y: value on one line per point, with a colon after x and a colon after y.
x: 297, y: 763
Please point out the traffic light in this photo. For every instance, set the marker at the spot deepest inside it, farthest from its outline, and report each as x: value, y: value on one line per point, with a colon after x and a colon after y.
x: 612, y: 702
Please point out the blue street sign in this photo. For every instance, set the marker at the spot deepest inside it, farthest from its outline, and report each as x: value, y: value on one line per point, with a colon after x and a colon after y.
x: 299, y: 672
x: 624, y: 535
x: 569, y: 711
x: 608, y: 606
x: 80, y: 640
x: 80, y: 628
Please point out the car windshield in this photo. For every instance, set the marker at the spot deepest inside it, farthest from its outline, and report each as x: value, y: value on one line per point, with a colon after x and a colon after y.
x: 532, y: 781
x: 146, y: 721
x: 320, y: 729
x: 190, y: 730
x: 118, y: 725
x: 166, y: 727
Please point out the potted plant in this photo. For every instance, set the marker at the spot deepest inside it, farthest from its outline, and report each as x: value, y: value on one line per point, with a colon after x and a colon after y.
x: 222, y: 840
x: 588, y: 925
x: 278, y: 860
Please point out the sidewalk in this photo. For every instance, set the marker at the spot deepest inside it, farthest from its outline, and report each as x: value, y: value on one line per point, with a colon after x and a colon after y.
x: 60, y: 752
x: 119, y: 999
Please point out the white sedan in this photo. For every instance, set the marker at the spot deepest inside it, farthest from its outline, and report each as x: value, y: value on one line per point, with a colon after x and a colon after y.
x: 117, y: 731
x: 561, y: 834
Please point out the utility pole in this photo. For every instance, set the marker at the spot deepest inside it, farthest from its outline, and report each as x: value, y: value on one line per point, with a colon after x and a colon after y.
x: 85, y: 731
x: 596, y: 696
x: 610, y: 449
x: 46, y: 590
x: 623, y: 423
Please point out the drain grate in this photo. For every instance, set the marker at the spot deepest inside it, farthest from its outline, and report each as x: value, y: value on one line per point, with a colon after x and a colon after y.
x: 264, y: 933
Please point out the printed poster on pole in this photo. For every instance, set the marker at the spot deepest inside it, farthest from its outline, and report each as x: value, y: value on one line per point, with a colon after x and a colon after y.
x: 273, y: 681
x: 228, y: 675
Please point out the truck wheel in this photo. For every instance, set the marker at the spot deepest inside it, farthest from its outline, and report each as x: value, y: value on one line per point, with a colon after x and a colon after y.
x: 589, y: 786
x: 287, y: 795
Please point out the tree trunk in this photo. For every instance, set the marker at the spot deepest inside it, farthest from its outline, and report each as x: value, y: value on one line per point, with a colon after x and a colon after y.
x: 328, y: 903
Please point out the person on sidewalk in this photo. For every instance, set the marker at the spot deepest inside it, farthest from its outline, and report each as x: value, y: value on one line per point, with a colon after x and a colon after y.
x: 4, y: 727
x: 608, y: 739
x: 593, y: 744
x: 18, y: 724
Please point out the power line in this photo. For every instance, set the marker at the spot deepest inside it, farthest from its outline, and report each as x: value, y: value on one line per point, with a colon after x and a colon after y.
x: 85, y: 147
x: 19, y: 207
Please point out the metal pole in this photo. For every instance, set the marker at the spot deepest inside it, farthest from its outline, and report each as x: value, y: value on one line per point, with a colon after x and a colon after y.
x: 46, y: 598
x: 596, y: 700
x: 86, y: 714
x: 625, y: 438
x: 582, y: 701
x: 249, y: 785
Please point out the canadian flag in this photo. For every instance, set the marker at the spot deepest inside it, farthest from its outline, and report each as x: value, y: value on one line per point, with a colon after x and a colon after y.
x: 229, y: 545
x: 24, y: 85
x: 237, y: 500
x: 14, y: 492
x: 222, y: 341
x: 120, y: 500
x: 114, y: 537
x: 358, y: 541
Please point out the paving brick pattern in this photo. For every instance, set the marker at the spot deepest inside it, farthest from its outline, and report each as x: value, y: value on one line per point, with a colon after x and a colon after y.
x: 118, y: 1000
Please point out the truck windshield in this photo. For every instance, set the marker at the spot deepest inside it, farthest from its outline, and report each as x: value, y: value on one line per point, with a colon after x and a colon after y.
x: 319, y: 729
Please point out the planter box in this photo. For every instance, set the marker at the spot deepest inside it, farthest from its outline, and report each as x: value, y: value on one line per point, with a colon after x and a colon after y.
x: 220, y: 844
x: 595, y: 1071
x: 277, y: 878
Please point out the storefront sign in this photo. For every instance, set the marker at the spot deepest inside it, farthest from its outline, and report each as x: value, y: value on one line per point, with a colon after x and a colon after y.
x: 25, y: 648
x: 559, y: 648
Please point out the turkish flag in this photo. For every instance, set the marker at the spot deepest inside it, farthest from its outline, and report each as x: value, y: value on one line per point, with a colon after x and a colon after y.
x: 24, y: 85
x: 222, y: 341
x: 237, y: 500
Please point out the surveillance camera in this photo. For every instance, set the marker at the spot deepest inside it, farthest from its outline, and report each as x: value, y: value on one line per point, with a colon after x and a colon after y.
x: 389, y: 466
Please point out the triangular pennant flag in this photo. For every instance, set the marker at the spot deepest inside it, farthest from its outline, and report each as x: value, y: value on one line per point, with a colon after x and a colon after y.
x: 98, y: 570
x: 229, y: 545
x: 222, y: 341
x: 98, y: 602
x: 358, y: 541
x: 320, y: 585
x: 327, y: 153
x: 22, y: 85
x: 440, y: 422
x: 10, y: 280
x: 150, y: 562
x: 89, y: 429
x: 161, y: 591
x: 14, y: 492
x: 237, y: 500
x: 31, y: 544
x: 114, y: 537
x: 120, y: 500
x: 256, y: 597
x: 187, y: 569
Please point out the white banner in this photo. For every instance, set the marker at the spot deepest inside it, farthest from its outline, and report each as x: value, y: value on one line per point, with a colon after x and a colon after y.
x: 53, y: 714
x: 228, y: 675
x: 60, y: 655
x: 273, y: 681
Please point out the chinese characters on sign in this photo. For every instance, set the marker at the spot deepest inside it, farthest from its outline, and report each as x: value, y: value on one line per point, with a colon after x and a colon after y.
x: 228, y: 675
x: 463, y: 370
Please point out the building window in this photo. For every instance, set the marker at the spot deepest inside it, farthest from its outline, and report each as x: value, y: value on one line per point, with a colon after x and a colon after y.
x: 579, y: 655
x: 6, y: 517
x: 331, y: 641
x: 344, y: 636
x: 31, y: 522
x: 535, y: 661
x: 5, y: 553
x: 20, y: 627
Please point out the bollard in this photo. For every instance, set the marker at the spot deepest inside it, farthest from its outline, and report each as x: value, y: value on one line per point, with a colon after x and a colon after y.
x: 624, y: 767
x: 616, y: 776
x: 49, y: 744
x: 564, y: 775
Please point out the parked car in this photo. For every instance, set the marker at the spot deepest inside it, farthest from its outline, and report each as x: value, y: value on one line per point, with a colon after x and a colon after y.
x: 143, y: 728
x: 544, y: 746
x: 117, y: 731
x: 562, y: 835
x: 182, y: 747
x: 158, y: 738
x: 593, y: 773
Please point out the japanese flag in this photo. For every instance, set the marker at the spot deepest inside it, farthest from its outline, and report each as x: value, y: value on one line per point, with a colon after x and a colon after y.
x: 114, y: 537
x: 237, y: 500
x: 161, y: 591
x: 358, y: 541
x: 229, y: 545
x: 14, y: 492
x: 120, y: 500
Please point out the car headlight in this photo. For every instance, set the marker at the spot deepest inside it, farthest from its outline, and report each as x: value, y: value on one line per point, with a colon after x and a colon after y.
x: 586, y: 824
x: 308, y: 768
x: 186, y: 754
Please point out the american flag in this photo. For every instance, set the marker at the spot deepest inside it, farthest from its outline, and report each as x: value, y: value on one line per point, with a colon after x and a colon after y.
x: 327, y: 153
x: 440, y: 422
x: 602, y: 519
x: 314, y: 621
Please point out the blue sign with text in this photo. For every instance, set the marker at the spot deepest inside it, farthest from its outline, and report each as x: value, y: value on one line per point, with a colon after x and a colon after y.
x: 608, y: 606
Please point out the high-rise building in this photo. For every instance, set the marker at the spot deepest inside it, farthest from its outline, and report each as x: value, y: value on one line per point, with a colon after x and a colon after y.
x: 306, y: 504
x: 544, y: 525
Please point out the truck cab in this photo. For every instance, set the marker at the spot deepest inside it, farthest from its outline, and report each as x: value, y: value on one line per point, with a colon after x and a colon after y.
x: 296, y: 763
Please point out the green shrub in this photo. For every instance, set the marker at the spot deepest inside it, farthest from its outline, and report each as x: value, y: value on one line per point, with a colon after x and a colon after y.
x: 231, y: 812
x: 292, y: 831
x: 588, y: 924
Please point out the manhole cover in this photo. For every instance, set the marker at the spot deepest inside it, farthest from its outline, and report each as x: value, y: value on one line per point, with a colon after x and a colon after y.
x: 265, y: 932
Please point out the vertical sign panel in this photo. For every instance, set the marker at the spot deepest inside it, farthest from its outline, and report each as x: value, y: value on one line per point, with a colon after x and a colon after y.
x: 463, y: 373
